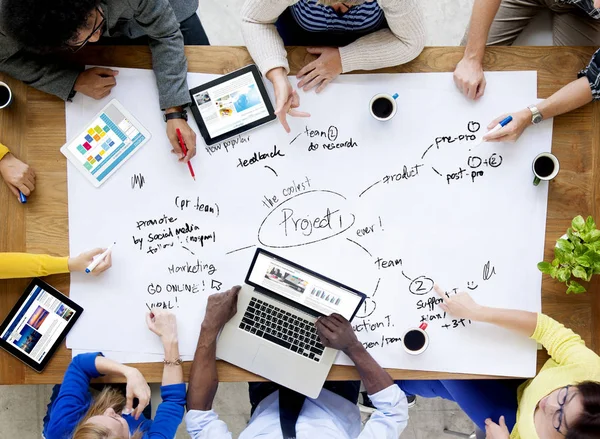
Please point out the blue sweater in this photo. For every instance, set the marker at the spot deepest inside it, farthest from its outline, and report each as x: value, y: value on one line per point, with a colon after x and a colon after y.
x: 73, y: 399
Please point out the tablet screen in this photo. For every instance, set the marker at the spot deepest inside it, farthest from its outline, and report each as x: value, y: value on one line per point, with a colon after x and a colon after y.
x: 38, y: 324
x: 231, y: 105
x: 110, y: 139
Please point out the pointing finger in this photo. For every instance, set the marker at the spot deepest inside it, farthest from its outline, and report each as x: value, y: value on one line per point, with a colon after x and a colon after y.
x: 439, y: 290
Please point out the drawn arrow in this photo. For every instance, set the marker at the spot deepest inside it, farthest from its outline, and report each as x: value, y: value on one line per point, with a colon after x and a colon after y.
x: 216, y: 285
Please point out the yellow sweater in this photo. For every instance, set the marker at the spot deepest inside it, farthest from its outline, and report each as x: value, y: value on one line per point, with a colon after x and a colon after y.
x: 3, y: 151
x: 570, y: 363
x: 14, y: 265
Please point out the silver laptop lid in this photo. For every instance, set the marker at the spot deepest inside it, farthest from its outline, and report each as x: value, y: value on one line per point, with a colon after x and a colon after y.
x: 300, y: 287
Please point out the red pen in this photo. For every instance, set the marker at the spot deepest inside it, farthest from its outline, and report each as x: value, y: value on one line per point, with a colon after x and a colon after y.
x: 184, y: 150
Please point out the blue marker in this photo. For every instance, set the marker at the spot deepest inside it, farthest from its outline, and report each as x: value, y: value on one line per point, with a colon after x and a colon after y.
x: 22, y: 198
x: 98, y: 259
x: 502, y: 124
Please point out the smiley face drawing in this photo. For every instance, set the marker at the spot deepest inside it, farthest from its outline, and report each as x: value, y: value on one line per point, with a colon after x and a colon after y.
x: 471, y: 285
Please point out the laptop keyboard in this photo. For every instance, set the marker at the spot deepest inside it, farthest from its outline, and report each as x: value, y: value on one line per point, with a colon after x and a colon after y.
x: 283, y: 328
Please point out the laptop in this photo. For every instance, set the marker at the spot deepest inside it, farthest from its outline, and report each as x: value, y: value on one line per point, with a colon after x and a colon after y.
x: 273, y: 333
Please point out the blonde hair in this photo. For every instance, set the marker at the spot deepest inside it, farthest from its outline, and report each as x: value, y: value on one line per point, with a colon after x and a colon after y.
x: 108, y: 398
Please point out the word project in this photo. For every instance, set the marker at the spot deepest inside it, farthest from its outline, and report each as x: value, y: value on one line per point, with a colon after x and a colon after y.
x: 388, y: 208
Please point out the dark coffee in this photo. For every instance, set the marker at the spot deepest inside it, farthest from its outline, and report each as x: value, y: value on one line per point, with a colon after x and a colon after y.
x: 544, y: 166
x: 382, y: 108
x: 4, y: 96
x: 414, y: 340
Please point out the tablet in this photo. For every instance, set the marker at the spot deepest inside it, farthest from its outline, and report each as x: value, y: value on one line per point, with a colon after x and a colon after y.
x: 107, y: 142
x: 37, y: 324
x: 234, y: 103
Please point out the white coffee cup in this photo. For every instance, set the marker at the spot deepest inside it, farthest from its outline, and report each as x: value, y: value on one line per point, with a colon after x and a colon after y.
x: 383, y: 106
x: 6, y: 95
x: 545, y: 167
x: 416, y: 335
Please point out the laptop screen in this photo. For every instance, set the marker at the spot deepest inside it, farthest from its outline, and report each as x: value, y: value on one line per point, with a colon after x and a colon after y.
x: 303, y: 286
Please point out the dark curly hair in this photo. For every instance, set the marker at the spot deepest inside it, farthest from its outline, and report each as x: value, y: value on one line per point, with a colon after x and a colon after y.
x: 587, y: 424
x: 45, y: 25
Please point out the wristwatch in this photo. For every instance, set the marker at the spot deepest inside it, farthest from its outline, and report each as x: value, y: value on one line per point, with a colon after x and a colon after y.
x: 176, y: 115
x: 536, y: 116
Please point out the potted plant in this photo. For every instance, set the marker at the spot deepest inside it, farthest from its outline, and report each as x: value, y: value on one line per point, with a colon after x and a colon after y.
x: 576, y: 255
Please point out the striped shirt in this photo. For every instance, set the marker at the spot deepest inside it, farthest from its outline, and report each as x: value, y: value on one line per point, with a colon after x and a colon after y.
x: 315, y: 17
x: 592, y: 73
x: 586, y: 5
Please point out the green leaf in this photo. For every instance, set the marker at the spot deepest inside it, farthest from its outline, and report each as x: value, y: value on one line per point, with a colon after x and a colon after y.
x: 596, y: 268
x: 592, y: 236
x: 584, y: 261
x: 571, y: 235
x: 589, y: 224
x: 560, y: 254
x: 555, y: 262
x: 545, y: 267
x: 578, y: 223
x: 579, y: 272
x: 594, y: 246
x: 563, y: 274
x: 575, y: 287
x: 565, y: 245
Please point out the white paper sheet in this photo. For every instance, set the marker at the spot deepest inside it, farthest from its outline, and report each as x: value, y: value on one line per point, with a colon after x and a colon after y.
x: 392, y: 230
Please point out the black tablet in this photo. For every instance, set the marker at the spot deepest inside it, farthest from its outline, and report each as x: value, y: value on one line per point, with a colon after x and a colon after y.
x: 37, y: 324
x: 234, y: 103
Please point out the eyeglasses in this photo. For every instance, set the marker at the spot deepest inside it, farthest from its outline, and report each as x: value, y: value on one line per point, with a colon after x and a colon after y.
x: 559, y: 415
x: 76, y: 47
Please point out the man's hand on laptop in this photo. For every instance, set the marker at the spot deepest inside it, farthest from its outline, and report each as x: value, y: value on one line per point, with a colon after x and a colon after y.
x: 221, y: 307
x: 336, y: 332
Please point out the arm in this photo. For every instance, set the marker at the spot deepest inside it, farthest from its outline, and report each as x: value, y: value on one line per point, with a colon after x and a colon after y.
x: 260, y: 35
x: 17, y: 175
x: 462, y: 305
x: 563, y: 345
x: 19, y: 265
x: 201, y: 421
x: 572, y: 96
x: 203, y: 376
x: 74, y: 397
x: 157, y: 19
x: 391, y: 416
x: 56, y: 78
x: 468, y: 75
x: 399, y: 44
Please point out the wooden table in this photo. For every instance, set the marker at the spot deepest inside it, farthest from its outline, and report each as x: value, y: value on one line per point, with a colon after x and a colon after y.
x: 34, y: 128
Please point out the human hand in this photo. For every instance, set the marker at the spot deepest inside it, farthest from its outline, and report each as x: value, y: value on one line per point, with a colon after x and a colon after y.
x: 286, y: 98
x: 321, y: 71
x: 96, y: 82
x: 189, y: 138
x: 137, y: 387
x: 496, y: 431
x: 221, y: 307
x: 17, y: 175
x: 511, y: 131
x: 469, y: 78
x: 336, y: 332
x: 81, y: 262
x: 461, y: 305
x: 163, y: 323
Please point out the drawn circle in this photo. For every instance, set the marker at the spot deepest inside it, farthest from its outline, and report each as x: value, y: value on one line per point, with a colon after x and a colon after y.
x: 366, y: 309
x: 421, y: 286
x: 473, y: 127
x: 327, y: 198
